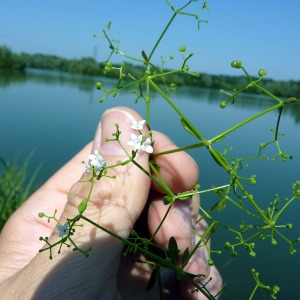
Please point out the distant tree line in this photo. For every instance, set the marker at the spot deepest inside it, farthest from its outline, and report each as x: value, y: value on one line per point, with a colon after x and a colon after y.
x: 89, y: 66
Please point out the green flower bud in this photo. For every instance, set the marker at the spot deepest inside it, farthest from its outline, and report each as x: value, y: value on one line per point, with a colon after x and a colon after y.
x: 274, y: 242
x: 186, y: 68
x: 106, y: 69
x: 262, y: 72
x: 276, y: 288
x: 99, y: 85
x: 227, y: 245
x: 41, y: 215
x: 236, y: 64
x: 109, y: 64
x: 122, y: 64
x: 262, y: 145
x: 223, y: 104
x: 253, y: 254
x: 233, y: 254
x: 182, y: 49
x: 210, y: 262
x: 289, y: 225
x: 147, y: 72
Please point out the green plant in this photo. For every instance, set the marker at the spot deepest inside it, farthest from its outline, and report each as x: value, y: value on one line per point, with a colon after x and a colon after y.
x: 15, y: 187
x: 267, y: 220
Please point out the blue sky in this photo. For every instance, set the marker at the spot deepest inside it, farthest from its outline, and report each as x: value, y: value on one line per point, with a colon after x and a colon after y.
x: 263, y: 34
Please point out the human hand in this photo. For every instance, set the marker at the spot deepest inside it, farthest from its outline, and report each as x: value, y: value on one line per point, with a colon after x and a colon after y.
x: 121, y: 204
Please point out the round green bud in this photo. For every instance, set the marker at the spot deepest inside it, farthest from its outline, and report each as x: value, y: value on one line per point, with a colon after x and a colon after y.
x: 262, y: 72
x: 109, y: 64
x: 122, y: 64
x: 147, y: 72
x: 107, y: 69
x: 227, y: 245
x: 253, y: 181
x: 223, y: 104
x: 262, y: 145
x: 210, y: 262
x: 274, y: 242
x: 252, y: 253
x: 182, y: 49
x: 233, y: 254
x: 276, y: 288
x: 186, y: 68
x: 133, y: 91
x: 171, y: 57
x: 236, y: 64
x: 289, y: 225
x: 41, y: 215
x: 98, y: 85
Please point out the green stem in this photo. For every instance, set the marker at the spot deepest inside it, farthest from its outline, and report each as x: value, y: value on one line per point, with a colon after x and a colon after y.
x: 162, y: 35
x: 235, y: 127
x: 186, y: 120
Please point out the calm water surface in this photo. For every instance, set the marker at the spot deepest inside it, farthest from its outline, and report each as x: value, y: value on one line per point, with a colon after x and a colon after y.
x: 55, y: 114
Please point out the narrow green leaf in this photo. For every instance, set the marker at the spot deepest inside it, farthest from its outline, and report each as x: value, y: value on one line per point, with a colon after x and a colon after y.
x: 152, y: 279
x: 185, y: 257
x: 173, y: 250
x: 145, y: 56
x: 82, y: 206
x: 220, y: 157
x: 186, y: 127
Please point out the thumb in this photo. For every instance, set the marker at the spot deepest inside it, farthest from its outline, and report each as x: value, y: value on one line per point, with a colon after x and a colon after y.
x: 115, y: 203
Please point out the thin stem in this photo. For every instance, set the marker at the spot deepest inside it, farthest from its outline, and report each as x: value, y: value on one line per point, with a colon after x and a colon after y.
x: 161, y: 36
x: 190, y: 125
x: 235, y: 127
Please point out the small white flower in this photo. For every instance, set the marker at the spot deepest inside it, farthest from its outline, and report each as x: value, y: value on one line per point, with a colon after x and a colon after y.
x: 97, y: 161
x: 138, y: 144
x: 136, y: 141
x: 146, y: 146
x: 87, y: 167
x: 63, y: 229
x: 137, y: 125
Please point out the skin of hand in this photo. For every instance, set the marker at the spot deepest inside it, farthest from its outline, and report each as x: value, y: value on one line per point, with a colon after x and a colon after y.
x: 129, y: 201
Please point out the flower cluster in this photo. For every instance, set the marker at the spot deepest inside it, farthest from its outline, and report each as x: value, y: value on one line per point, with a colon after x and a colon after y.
x: 138, y: 141
x: 97, y: 162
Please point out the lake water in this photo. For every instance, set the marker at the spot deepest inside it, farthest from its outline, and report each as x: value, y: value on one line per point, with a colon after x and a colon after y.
x: 55, y: 114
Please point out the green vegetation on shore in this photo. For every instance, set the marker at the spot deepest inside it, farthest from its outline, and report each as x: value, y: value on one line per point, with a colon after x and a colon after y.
x: 89, y: 66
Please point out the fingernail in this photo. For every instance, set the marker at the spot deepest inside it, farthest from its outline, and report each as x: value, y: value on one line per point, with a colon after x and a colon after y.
x: 107, y: 128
